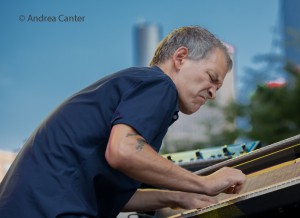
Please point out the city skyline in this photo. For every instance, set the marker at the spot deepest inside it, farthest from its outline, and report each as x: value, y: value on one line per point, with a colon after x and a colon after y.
x: 44, y: 62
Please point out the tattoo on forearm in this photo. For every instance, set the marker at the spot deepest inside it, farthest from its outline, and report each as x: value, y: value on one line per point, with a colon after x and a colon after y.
x: 140, y: 144
x: 140, y: 141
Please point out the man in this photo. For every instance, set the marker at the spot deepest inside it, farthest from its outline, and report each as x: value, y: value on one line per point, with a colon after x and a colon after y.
x: 90, y: 156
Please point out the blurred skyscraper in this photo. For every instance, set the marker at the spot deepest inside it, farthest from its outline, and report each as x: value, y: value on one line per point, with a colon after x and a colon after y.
x: 146, y: 38
x: 285, y: 48
x: 290, y: 17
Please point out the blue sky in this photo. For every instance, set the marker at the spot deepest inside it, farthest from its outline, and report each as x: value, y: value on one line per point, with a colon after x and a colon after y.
x: 42, y: 63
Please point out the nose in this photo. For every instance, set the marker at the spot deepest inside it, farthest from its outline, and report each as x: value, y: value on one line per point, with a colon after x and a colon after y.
x: 212, y: 92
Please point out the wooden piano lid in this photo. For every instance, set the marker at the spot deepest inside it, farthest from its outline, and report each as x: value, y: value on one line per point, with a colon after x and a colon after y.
x: 276, y: 153
x: 272, y: 192
x: 273, y: 184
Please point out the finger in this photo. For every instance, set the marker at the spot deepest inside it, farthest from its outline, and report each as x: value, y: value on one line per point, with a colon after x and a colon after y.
x: 211, y: 199
x: 237, y: 189
x: 204, y: 203
x: 230, y: 190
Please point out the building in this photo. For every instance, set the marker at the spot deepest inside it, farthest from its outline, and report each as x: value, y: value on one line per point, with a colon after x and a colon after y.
x: 290, y: 27
x: 6, y: 159
x: 146, y: 38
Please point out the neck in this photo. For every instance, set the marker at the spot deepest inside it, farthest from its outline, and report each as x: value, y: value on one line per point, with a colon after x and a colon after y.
x: 168, y: 68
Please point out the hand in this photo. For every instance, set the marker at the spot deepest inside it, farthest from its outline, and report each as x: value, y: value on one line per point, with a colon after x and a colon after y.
x: 186, y: 200
x: 226, y: 180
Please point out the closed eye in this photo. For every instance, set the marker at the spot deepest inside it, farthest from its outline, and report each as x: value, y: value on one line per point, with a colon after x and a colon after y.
x: 215, y: 81
x: 212, y: 79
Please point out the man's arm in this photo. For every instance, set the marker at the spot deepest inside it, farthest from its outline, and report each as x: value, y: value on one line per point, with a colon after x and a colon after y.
x: 153, y: 199
x: 129, y: 152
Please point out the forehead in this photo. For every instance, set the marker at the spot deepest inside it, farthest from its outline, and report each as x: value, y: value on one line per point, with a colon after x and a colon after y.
x: 216, y: 63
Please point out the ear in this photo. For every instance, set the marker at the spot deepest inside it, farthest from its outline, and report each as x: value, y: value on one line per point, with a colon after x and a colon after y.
x: 179, y: 55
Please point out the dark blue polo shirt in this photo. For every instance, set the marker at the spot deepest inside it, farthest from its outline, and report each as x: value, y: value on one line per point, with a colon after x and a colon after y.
x: 61, y: 171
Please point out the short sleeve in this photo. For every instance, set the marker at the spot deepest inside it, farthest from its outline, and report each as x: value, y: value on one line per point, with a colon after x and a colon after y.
x: 149, y: 108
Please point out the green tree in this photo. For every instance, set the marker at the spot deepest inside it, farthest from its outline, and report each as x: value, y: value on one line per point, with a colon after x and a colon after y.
x: 273, y: 112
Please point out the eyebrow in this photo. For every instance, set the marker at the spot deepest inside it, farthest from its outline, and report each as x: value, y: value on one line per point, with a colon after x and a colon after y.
x: 215, y: 75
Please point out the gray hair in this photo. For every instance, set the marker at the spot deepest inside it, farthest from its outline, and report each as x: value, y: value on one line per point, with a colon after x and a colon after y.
x: 197, y: 40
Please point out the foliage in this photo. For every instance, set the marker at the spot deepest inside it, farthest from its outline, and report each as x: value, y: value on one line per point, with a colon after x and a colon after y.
x: 273, y: 113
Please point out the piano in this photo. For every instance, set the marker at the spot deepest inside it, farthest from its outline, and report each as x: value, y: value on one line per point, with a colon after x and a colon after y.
x: 272, y: 188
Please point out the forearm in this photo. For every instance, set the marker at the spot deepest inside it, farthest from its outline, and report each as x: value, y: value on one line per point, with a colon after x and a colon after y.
x: 130, y: 154
x: 149, y: 167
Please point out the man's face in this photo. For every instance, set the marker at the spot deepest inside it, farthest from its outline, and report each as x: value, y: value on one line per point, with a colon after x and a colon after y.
x: 198, y: 81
